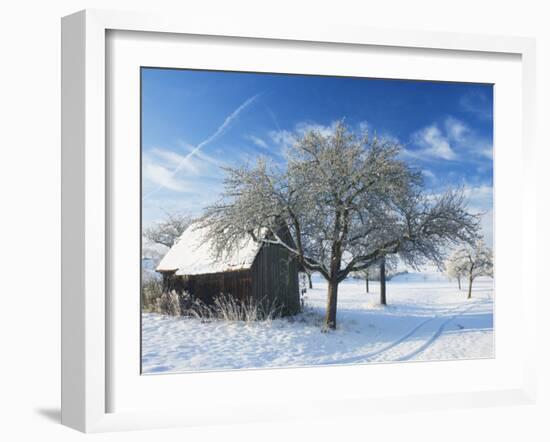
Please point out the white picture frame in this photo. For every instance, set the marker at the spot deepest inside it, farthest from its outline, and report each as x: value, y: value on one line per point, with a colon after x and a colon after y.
x: 86, y: 357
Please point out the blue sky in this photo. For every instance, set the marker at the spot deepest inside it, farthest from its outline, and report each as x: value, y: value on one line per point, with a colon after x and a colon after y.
x: 194, y: 122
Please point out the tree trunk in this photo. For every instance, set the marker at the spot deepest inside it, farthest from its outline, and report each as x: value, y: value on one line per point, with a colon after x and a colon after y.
x: 332, y: 300
x: 309, y: 280
x: 459, y: 287
x: 383, y: 281
x: 367, y: 283
x: 471, y: 280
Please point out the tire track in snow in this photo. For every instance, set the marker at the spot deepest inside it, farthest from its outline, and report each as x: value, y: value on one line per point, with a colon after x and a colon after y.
x: 369, y: 356
x: 436, y: 335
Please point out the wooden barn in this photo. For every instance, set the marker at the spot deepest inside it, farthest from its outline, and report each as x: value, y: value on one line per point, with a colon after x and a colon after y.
x: 262, y: 272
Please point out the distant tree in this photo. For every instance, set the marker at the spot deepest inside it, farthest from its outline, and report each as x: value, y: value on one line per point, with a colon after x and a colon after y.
x: 368, y: 274
x: 344, y: 201
x: 149, y: 260
x: 309, y: 282
x: 168, y: 231
x: 471, y: 262
x: 303, y: 287
x: 381, y: 271
x: 455, y: 267
x: 149, y: 253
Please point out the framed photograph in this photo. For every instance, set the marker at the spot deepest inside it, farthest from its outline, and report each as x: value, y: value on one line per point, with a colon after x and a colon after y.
x: 261, y: 222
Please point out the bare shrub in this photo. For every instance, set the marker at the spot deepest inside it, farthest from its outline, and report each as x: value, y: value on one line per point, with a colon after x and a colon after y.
x: 169, y: 304
x: 225, y: 307
x: 199, y: 310
x: 151, y: 291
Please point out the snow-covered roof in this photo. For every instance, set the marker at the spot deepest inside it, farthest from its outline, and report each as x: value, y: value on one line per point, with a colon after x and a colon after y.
x: 192, y: 254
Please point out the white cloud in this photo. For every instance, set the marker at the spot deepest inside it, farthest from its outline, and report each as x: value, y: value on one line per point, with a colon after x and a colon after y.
x: 484, y: 149
x: 480, y: 197
x: 199, y: 164
x: 480, y: 200
x: 487, y: 228
x: 258, y: 141
x: 364, y: 126
x: 428, y: 173
x: 456, y: 130
x: 304, y: 127
x: 453, y: 140
x: 478, y: 104
x: 466, y: 139
x: 170, y: 159
x: 389, y: 138
x: 282, y: 138
x: 201, y: 155
x: 199, y: 182
x: 158, y: 166
x: 167, y: 155
x: 434, y: 143
x: 192, y: 202
x: 162, y: 177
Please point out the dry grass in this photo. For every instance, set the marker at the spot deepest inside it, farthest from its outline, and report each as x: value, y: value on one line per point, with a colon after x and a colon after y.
x: 151, y: 292
x: 227, y: 308
x: 169, y: 304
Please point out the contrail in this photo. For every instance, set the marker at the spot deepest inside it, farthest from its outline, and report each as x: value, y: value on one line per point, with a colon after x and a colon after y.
x: 220, y: 130
x: 273, y: 118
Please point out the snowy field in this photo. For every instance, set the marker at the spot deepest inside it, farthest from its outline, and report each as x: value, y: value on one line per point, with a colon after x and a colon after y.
x: 427, y: 318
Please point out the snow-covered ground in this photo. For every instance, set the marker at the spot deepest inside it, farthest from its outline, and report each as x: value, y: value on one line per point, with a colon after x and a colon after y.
x: 427, y: 318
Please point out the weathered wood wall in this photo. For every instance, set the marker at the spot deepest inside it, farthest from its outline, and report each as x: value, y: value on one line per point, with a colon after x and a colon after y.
x: 275, y: 277
x: 207, y: 287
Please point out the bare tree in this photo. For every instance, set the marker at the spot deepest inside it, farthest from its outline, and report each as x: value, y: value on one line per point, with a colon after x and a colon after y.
x: 345, y: 201
x: 387, y: 269
x: 168, y: 231
x: 383, y: 281
x: 380, y: 271
x: 455, y: 267
x: 309, y: 282
x: 471, y: 262
x: 368, y: 275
